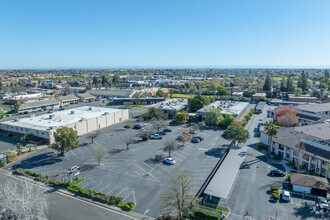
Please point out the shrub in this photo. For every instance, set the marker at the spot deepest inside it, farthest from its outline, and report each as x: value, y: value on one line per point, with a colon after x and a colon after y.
x: 250, y: 114
x: 276, y: 195
x: 261, y: 147
x: 244, y: 123
x: 77, y: 180
x: 2, y: 163
x: 247, y: 117
x: 274, y: 187
x: 253, y: 110
x: 145, y: 138
x: 207, y: 214
x: 127, y: 206
x: 288, y: 176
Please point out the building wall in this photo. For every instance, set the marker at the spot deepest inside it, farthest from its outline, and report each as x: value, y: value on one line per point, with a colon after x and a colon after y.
x: 301, y: 189
x: 263, y: 138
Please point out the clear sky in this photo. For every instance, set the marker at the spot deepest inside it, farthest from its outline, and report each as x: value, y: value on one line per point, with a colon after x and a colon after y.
x: 164, y: 33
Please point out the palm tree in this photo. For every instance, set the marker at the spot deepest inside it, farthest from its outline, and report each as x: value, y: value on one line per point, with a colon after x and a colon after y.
x: 271, y: 132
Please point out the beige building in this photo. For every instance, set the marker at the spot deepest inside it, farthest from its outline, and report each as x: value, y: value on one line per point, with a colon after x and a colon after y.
x: 82, y: 119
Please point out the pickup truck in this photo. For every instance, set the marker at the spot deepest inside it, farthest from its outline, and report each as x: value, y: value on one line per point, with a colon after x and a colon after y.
x: 155, y: 136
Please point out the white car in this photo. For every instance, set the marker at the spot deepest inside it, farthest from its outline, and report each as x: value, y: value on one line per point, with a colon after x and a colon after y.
x: 144, y: 124
x: 323, y: 203
x: 169, y: 160
x: 286, y: 195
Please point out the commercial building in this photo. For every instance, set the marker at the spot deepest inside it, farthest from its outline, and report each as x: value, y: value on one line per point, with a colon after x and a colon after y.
x: 233, y: 108
x: 258, y: 96
x: 69, y: 99
x: 86, y: 97
x: 38, y: 105
x: 18, y: 99
x: 170, y: 107
x: 307, y: 146
x: 302, y: 98
x: 259, y: 107
x: 82, y: 119
x: 121, y: 93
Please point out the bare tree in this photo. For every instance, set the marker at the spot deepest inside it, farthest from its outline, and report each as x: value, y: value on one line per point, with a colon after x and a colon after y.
x: 201, y: 125
x: 170, y: 145
x: 159, y: 124
x: 92, y: 136
x: 29, y: 146
x: 183, y: 136
x: 287, y: 120
x: 24, y: 200
x: 178, y: 197
x: 128, y: 140
x: 100, y: 152
x: 194, y: 129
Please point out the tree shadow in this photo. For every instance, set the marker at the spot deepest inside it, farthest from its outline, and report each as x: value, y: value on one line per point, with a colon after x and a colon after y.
x: 40, y: 160
x: 115, y: 151
x: 308, y: 211
x: 155, y: 160
x: 214, y: 152
x: 87, y: 167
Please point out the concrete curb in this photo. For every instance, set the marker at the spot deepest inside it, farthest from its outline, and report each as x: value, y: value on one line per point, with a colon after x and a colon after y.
x: 68, y: 193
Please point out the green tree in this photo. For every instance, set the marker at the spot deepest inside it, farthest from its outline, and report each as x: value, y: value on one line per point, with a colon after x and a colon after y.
x: 283, y: 85
x: 227, y: 121
x: 198, y: 102
x: 222, y: 92
x: 289, y: 84
x: 161, y: 93
x: 297, y: 91
x: 27, y: 137
x: 65, y: 140
x: 17, y: 107
x: 213, y: 117
x: 182, y: 117
x: 268, y: 84
x: 99, y: 153
x: 19, y: 148
x: 326, y: 74
x: 153, y: 112
x: 236, y: 133
x: 302, y: 82
x: 104, y: 81
x: 115, y: 79
x: 271, y: 132
x: 95, y: 81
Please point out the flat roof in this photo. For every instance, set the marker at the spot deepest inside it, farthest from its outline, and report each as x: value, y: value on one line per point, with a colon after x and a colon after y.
x: 323, y: 107
x: 224, y: 178
x: 60, y: 118
x: 260, y: 105
x: 226, y: 107
x: 176, y: 104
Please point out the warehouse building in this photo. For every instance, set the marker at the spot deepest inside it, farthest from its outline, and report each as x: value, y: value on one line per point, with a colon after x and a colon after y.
x: 226, y: 107
x: 82, y: 119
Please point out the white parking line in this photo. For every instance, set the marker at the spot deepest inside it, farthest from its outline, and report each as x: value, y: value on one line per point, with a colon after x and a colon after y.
x: 74, y: 154
x: 149, y: 174
x: 121, y: 191
x: 80, y: 151
x: 108, y: 193
x: 93, y: 181
x: 104, y: 187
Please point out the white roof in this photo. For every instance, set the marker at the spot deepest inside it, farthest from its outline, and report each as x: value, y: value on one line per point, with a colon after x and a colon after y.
x: 60, y: 118
x: 226, y: 107
x: 176, y: 104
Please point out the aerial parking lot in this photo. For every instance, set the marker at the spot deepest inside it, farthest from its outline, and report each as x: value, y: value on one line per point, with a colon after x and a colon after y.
x: 138, y: 174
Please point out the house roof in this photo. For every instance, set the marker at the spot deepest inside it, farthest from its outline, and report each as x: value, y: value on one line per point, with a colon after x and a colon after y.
x: 322, y: 107
x: 315, y: 182
x: 86, y: 96
x: 260, y: 105
x: 41, y: 103
x: 67, y: 98
x: 114, y: 93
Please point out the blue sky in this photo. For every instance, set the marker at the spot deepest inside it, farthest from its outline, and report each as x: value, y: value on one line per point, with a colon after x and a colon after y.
x: 164, y: 33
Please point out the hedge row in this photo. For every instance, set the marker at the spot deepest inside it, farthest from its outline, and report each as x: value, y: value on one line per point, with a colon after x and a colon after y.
x: 248, y: 117
x: 72, y: 186
x: 207, y: 214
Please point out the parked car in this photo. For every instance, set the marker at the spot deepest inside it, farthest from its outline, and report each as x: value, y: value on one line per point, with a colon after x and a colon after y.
x: 143, y: 129
x: 155, y: 136
x: 137, y: 126
x: 200, y: 138
x: 276, y: 173
x: 162, y: 133
x: 25, y: 113
x: 167, y: 130
x: 286, y: 195
x: 195, y: 140
x: 144, y: 124
x: 169, y: 160
x: 192, y: 132
x: 127, y: 126
x: 180, y: 137
x: 323, y: 203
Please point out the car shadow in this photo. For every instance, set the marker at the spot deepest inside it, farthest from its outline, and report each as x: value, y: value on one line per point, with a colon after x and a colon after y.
x: 155, y: 160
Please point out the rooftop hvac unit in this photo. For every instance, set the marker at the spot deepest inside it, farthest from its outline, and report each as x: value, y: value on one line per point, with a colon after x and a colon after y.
x: 72, y: 112
x: 16, y: 119
x: 90, y: 108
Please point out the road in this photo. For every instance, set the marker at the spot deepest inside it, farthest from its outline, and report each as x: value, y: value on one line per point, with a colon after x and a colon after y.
x: 63, y: 207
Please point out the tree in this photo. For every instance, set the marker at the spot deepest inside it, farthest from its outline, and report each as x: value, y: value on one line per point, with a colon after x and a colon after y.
x: 65, y: 140
x: 17, y: 107
x: 271, y: 132
x: 29, y: 146
x: 27, y: 137
x: 99, y: 153
x: 283, y: 85
x: 159, y: 124
x: 326, y: 74
x: 222, y: 92
x: 128, y: 140
x: 268, y: 84
x: 227, y: 121
x: 182, y: 117
x: 236, y: 133
x: 153, y: 113
x: 19, y: 148
x: 8, y: 154
x: 161, y: 93
x: 198, y: 102
x: 297, y: 91
x: 289, y: 84
x: 23, y: 200
x: 95, y: 81
x: 170, y: 145
x: 183, y: 136
x: 179, y: 197
x: 303, y: 81
x: 288, y: 120
x: 92, y: 136
x: 104, y: 81
x: 115, y: 79
x: 213, y: 117
x: 136, y: 97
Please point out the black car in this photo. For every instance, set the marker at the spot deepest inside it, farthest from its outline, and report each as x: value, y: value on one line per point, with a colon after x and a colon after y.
x: 276, y: 173
x: 200, y: 138
x: 162, y: 133
x: 167, y: 130
x: 137, y: 126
